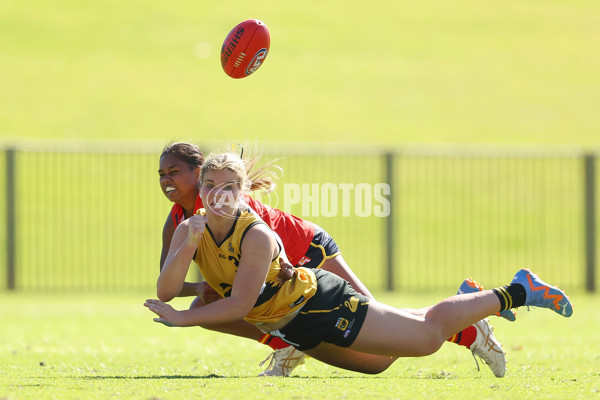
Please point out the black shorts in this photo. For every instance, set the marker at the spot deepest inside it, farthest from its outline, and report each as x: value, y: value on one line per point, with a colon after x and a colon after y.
x: 322, y: 247
x: 334, y: 314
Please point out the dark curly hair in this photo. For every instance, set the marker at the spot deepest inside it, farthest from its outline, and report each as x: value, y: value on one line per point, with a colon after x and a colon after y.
x: 186, y: 152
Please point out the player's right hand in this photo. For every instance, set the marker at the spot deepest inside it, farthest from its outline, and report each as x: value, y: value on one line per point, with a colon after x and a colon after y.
x: 196, y: 227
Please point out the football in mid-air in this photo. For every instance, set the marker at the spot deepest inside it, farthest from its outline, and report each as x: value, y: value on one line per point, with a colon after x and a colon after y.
x: 245, y: 48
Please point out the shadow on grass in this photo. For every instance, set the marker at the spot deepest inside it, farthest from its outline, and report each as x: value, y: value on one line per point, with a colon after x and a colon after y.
x: 209, y: 376
x: 214, y: 376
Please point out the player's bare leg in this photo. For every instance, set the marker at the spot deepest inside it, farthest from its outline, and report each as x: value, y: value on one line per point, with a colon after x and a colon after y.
x: 347, y: 358
x: 393, y: 332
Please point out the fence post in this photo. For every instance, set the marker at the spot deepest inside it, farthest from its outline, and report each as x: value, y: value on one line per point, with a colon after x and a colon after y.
x: 389, y: 222
x: 10, y: 219
x: 590, y: 220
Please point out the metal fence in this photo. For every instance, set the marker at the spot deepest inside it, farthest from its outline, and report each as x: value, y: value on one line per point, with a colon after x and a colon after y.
x: 89, y: 217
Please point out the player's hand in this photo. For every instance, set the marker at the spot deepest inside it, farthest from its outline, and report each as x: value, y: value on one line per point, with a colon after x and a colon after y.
x: 287, y: 271
x: 196, y: 227
x: 167, y: 315
x: 207, y: 293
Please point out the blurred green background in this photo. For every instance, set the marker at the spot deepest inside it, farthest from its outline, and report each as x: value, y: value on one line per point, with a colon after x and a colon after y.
x: 385, y: 71
x: 90, y: 93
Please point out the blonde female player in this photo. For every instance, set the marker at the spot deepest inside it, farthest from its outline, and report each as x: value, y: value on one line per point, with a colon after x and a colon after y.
x: 316, y: 311
x: 305, y: 244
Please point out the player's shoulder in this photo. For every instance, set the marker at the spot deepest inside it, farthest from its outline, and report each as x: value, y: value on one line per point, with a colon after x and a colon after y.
x: 257, y: 231
x: 182, y: 226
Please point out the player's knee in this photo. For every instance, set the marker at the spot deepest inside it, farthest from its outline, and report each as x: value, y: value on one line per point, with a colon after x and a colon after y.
x: 433, y: 336
x: 430, y: 346
x: 379, y: 367
x: 371, y: 364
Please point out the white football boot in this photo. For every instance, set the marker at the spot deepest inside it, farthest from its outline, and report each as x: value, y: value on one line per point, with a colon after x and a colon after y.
x: 282, y: 362
x: 488, y: 349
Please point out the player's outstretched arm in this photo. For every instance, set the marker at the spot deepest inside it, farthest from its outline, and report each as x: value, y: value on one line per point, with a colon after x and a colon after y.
x: 189, y: 288
x: 338, y: 266
x: 258, y: 248
x: 183, y: 246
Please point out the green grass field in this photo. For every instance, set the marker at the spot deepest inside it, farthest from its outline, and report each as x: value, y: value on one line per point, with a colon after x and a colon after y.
x: 79, y: 346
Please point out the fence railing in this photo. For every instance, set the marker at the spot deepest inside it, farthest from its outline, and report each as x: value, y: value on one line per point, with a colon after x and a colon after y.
x: 90, y: 217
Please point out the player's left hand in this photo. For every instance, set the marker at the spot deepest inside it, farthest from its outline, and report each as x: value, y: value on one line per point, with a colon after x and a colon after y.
x: 207, y: 293
x: 287, y: 271
x: 167, y: 315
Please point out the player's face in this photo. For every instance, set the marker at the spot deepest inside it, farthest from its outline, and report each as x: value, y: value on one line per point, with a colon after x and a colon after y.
x: 220, y: 191
x: 178, y: 181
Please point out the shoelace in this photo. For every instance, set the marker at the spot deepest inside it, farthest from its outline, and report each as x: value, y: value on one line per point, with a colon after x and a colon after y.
x: 284, y: 363
x: 488, y: 342
x: 270, y: 357
x: 477, y: 362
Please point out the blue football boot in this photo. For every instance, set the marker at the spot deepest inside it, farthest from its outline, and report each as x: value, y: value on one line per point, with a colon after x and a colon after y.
x: 541, y: 294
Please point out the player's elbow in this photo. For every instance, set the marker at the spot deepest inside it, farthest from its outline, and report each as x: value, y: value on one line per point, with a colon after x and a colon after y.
x: 165, y: 295
x: 167, y: 289
x: 164, y: 298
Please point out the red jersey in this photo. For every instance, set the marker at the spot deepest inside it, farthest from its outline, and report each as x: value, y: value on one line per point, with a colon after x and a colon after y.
x: 178, y: 215
x: 295, y: 233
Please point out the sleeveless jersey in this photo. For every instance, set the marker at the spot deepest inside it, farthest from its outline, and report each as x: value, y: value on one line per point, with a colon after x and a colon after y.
x: 177, y: 214
x: 295, y: 233
x: 218, y: 263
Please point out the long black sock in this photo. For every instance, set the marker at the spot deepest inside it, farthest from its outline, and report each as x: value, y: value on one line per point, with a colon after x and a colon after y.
x: 511, y: 296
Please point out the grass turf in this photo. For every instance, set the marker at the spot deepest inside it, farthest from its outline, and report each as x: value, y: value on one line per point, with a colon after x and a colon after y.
x: 91, y: 346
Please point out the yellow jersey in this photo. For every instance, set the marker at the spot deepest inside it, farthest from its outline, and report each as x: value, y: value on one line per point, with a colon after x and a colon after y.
x: 218, y: 263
